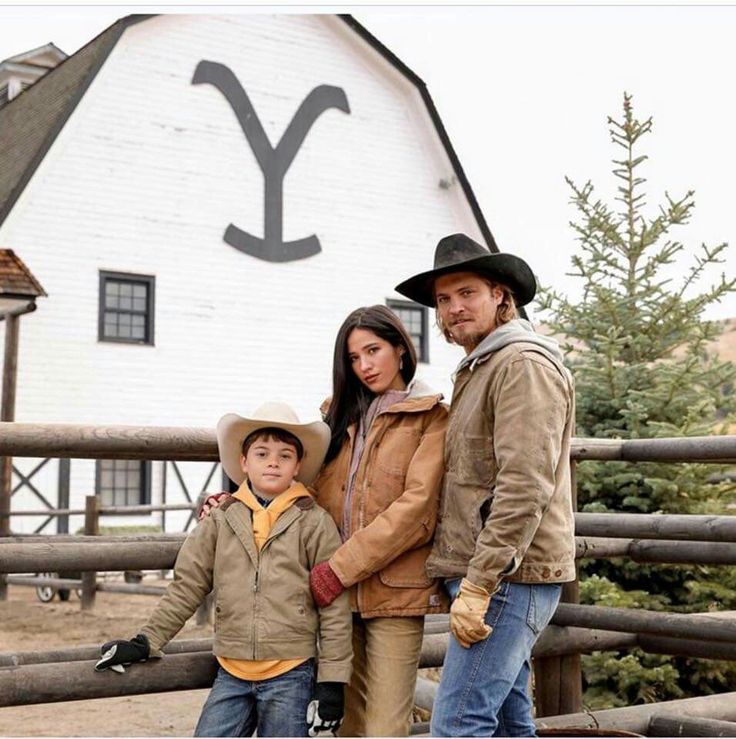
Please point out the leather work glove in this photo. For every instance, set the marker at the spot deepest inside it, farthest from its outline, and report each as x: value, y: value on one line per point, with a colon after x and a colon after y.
x: 116, y: 654
x: 326, y: 709
x: 210, y: 502
x: 325, y: 584
x: 468, y: 612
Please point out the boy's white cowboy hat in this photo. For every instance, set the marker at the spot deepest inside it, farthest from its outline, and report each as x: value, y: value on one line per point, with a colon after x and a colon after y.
x: 232, y: 430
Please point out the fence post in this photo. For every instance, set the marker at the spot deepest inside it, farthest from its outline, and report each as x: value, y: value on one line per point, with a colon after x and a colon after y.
x: 91, y: 528
x: 558, y: 682
x: 6, y: 475
x: 62, y: 522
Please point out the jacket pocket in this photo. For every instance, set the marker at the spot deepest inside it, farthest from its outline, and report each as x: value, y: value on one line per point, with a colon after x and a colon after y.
x: 395, y: 449
x: 476, y: 461
x: 408, y: 570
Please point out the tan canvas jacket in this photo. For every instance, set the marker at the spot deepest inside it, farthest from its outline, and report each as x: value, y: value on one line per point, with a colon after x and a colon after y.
x: 393, y: 508
x: 263, y: 605
x: 506, y: 507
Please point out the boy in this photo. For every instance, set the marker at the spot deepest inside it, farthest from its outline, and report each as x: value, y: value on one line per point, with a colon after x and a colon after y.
x: 256, y: 551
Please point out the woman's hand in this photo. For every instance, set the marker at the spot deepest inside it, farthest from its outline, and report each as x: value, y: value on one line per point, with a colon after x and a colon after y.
x: 325, y: 584
x: 210, y: 503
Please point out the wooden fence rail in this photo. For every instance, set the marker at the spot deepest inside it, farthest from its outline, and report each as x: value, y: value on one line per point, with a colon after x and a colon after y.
x: 154, y: 553
x: 108, y: 510
x: 555, y: 641
x: 686, y: 726
x: 657, y: 552
x: 200, y: 445
x: 636, y: 718
x: 698, y: 626
x: 108, y: 442
x: 656, y: 526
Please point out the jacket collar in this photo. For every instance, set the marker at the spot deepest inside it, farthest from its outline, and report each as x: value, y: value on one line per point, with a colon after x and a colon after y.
x: 421, y: 398
x: 240, y: 522
x: 239, y: 519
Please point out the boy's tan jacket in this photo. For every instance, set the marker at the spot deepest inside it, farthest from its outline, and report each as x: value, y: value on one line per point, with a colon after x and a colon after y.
x: 393, y: 509
x: 263, y: 605
x: 506, y: 510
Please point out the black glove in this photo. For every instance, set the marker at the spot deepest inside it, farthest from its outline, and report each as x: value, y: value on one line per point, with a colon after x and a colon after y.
x: 326, y: 709
x: 117, y: 653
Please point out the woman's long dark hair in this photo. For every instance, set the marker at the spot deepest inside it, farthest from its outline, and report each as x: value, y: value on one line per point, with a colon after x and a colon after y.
x: 350, y: 398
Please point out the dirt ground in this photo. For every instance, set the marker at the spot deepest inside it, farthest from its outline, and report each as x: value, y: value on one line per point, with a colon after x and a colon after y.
x: 29, y: 625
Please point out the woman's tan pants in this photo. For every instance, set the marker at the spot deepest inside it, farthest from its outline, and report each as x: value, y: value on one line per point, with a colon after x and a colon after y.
x: 380, y: 696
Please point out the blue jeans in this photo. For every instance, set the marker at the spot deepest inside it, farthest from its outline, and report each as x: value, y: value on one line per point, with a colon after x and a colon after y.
x: 276, y: 707
x: 484, y: 690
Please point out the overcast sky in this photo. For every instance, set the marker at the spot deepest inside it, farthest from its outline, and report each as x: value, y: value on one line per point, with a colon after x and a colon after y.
x: 525, y: 92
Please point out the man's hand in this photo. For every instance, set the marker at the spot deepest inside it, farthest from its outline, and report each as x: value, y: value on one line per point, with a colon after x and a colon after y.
x: 210, y: 502
x: 467, y: 614
x: 116, y: 654
x: 326, y: 709
x: 325, y: 584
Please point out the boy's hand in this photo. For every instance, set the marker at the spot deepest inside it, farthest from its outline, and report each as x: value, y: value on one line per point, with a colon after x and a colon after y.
x: 326, y: 709
x: 117, y: 653
x: 210, y: 502
x: 325, y: 584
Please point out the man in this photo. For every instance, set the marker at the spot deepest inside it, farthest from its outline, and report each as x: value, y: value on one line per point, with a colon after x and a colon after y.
x: 505, y: 538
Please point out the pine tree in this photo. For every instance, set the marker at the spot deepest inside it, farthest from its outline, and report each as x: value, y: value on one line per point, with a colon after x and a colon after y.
x: 637, y: 344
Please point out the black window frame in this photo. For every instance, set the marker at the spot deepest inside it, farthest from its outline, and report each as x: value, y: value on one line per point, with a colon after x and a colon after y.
x: 129, y: 277
x: 144, y: 488
x: 423, y: 348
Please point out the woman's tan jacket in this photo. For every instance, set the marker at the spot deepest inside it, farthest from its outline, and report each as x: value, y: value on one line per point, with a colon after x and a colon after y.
x: 394, y: 508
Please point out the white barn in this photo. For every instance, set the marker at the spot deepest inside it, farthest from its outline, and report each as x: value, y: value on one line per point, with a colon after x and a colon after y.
x: 204, y: 198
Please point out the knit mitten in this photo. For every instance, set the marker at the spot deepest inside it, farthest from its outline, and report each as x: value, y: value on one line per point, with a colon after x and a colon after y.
x: 325, y: 584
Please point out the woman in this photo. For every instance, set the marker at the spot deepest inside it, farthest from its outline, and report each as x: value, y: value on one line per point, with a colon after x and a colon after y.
x: 381, y: 483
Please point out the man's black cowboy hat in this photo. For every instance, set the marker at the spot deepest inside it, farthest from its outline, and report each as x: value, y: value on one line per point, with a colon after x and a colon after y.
x: 459, y: 253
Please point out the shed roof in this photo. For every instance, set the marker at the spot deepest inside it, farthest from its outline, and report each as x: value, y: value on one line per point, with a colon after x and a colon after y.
x: 30, y: 123
x: 16, y: 278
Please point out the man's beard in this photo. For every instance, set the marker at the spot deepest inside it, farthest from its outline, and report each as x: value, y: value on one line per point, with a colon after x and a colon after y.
x: 468, y: 341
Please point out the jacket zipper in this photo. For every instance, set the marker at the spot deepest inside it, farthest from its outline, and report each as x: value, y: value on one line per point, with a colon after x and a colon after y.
x: 256, y: 589
x: 255, y: 605
x: 347, y: 513
x: 361, y: 507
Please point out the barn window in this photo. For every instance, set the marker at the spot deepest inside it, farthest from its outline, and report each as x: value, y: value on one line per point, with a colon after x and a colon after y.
x: 415, y: 320
x: 126, y: 308
x: 123, y: 482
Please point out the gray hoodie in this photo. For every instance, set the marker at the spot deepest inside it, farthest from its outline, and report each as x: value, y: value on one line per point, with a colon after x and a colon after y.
x: 509, y: 333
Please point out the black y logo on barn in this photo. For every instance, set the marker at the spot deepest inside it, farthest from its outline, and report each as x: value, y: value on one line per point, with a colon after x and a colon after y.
x: 274, y: 162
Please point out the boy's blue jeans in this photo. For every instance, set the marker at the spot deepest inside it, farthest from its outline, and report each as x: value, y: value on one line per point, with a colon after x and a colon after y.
x: 276, y: 707
x: 484, y: 690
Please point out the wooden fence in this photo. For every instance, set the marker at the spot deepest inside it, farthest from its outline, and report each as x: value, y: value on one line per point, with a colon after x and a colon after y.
x: 575, y: 628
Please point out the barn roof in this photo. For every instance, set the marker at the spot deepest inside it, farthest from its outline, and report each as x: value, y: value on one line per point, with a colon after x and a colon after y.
x: 30, y: 123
